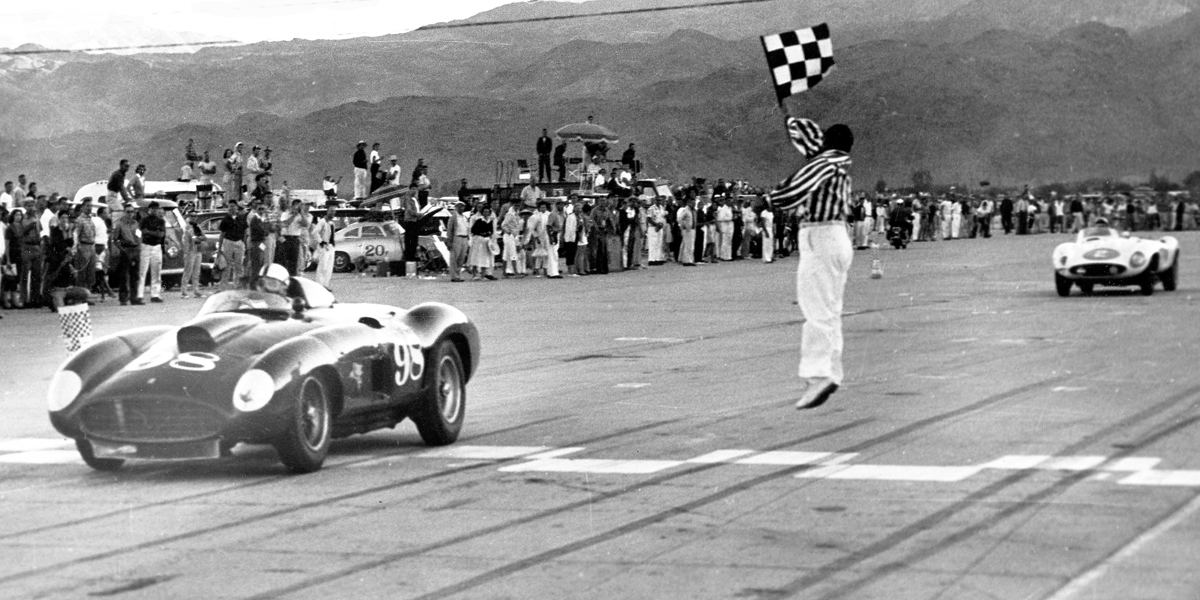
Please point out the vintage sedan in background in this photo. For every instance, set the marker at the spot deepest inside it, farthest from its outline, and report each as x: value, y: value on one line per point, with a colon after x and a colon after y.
x: 292, y: 369
x: 1101, y: 255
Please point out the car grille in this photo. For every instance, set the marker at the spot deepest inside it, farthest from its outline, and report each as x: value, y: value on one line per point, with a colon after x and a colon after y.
x: 150, y: 420
x: 1098, y: 270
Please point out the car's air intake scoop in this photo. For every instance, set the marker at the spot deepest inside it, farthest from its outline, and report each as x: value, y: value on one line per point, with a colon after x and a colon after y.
x: 195, y: 339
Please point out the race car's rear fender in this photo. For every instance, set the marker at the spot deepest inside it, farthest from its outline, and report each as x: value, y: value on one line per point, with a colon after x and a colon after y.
x: 432, y: 321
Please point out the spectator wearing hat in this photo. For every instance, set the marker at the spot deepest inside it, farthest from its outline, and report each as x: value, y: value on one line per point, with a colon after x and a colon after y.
x: 511, y: 228
x: 394, y: 172
x: 294, y: 226
x: 253, y: 168
x: 459, y: 233
x: 258, y: 230
x: 362, y: 177
x: 126, y: 240
x: 482, y: 255
x: 154, y: 235
x: 375, y: 166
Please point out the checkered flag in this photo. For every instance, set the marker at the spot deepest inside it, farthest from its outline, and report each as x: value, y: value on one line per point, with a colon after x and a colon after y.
x: 798, y: 59
x: 76, y: 326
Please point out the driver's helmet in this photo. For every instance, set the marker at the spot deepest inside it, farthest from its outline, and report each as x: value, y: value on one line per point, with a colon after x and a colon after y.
x: 1100, y: 222
x: 274, y: 280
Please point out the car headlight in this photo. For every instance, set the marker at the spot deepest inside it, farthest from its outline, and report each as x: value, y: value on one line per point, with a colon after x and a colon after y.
x: 253, y: 390
x: 1137, y: 260
x: 64, y: 388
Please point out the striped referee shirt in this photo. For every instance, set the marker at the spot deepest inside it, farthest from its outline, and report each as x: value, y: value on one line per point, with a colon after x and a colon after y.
x: 820, y: 190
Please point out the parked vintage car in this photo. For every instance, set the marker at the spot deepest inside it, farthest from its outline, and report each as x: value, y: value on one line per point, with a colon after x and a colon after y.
x: 292, y: 369
x: 1101, y: 255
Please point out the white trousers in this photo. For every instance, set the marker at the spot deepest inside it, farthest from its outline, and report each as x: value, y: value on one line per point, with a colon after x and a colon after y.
x: 362, y: 182
x: 916, y: 226
x: 955, y: 225
x: 768, y: 246
x: 825, y: 257
x: 552, y: 261
x: 150, y: 262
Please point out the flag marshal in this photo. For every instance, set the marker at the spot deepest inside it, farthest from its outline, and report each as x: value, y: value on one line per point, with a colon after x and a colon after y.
x: 798, y: 59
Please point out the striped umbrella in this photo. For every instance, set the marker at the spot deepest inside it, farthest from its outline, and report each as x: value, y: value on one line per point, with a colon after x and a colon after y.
x: 586, y: 132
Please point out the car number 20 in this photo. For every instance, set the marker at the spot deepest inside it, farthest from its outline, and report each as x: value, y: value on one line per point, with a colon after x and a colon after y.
x: 410, y: 362
x: 374, y: 250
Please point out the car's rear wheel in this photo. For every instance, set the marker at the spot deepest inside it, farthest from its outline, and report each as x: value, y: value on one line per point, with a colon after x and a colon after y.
x: 1062, y: 284
x: 89, y: 457
x: 303, y: 447
x: 1170, y: 277
x: 1086, y: 288
x: 439, y: 418
x: 341, y: 262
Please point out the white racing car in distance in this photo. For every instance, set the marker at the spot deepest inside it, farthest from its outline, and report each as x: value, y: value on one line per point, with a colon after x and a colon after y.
x: 1100, y: 255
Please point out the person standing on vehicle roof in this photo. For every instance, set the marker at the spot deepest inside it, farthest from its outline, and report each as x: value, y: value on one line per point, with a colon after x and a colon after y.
x: 362, y: 177
x: 376, y: 162
x: 118, y: 194
x: 560, y: 160
x: 394, y: 171
x: 544, y: 146
x: 236, y: 164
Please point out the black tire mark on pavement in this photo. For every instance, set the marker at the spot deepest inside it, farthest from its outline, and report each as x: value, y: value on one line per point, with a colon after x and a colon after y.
x: 499, y: 527
x: 239, y: 487
x: 558, y: 552
x: 321, y: 503
x: 1030, y: 502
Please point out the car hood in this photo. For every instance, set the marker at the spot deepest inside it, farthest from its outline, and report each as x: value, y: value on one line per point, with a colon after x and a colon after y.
x: 202, y: 359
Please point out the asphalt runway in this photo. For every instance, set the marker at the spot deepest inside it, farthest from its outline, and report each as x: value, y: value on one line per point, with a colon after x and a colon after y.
x: 633, y: 436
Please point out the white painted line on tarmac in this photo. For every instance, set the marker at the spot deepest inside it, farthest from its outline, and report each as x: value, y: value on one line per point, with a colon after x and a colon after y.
x: 631, y: 385
x: 1131, y: 463
x: 1063, y: 388
x: 1017, y: 463
x: 594, y: 465
x: 484, y: 452
x: 719, y: 456
x: 27, y: 444
x: 1072, y: 463
x: 648, y: 339
x: 892, y: 473
x: 42, y: 457
x: 788, y: 458
x: 1076, y: 585
x: 1170, y: 478
x: 553, y: 453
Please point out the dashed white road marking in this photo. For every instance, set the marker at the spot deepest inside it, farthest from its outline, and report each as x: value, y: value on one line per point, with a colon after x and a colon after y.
x: 892, y: 473
x: 1132, y: 470
x: 27, y: 444
x: 43, y: 457
x: 1063, y: 388
x: 484, y: 452
x: 719, y: 456
x: 631, y: 385
x: 594, y: 465
x: 648, y: 339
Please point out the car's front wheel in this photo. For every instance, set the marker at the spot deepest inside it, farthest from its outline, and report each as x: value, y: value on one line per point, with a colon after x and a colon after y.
x: 439, y: 418
x: 303, y: 446
x: 1170, y: 277
x: 1062, y: 284
x: 1146, y: 283
x: 89, y: 457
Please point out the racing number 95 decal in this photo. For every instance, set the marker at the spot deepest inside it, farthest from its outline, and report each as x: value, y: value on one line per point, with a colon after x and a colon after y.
x: 410, y: 362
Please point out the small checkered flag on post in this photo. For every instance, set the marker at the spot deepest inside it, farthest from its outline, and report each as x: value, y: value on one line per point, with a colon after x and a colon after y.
x: 798, y: 59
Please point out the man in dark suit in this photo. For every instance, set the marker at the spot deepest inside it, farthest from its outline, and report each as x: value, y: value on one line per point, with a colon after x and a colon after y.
x: 544, y: 146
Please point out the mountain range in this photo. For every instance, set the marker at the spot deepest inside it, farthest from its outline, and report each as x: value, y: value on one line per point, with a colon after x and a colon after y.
x: 1011, y: 91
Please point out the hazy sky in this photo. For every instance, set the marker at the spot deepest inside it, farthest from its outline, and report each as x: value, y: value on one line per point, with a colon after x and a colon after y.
x: 74, y: 24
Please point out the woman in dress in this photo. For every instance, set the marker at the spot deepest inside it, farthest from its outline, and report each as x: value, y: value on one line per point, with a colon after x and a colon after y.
x: 480, y: 257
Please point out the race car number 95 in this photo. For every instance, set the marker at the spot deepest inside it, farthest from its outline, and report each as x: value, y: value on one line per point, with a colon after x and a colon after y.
x: 410, y: 362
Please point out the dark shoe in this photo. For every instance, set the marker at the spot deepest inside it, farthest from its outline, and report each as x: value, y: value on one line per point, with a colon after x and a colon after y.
x: 156, y: 300
x: 456, y: 281
x: 124, y: 303
x: 138, y: 302
x: 490, y: 277
x: 556, y: 277
x: 819, y: 390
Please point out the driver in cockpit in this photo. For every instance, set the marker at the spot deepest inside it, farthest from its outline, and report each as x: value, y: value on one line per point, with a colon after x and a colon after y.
x: 275, y: 280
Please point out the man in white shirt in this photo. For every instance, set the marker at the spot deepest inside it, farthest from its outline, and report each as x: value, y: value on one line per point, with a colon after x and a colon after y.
x: 6, y: 198
x: 394, y: 171
x: 724, y: 230
x: 294, y: 225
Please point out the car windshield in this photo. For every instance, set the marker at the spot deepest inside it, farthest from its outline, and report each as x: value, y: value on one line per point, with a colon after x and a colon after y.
x: 245, y: 300
x: 1092, y: 232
